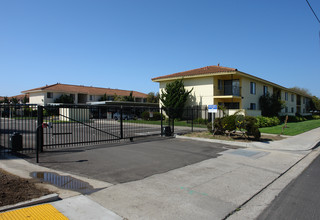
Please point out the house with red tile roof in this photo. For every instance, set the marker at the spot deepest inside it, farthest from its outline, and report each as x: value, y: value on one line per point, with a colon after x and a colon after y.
x: 234, y: 89
x: 81, y: 94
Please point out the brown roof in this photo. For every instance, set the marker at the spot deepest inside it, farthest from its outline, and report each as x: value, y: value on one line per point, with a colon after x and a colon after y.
x: 85, y: 90
x: 199, y: 71
x: 18, y: 97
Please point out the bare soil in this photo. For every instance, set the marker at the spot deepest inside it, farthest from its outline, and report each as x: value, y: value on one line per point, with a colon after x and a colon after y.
x: 235, y: 137
x: 14, y: 189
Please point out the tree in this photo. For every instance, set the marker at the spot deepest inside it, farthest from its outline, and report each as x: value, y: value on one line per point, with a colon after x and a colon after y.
x: 64, y: 98
x: 103, y: 98
x: 14, y: 100
x: 5, y: 100
x: 25, y: 99
x: 128, y: 98
x: 153, y: 98
x: 302, y: 91
x: 270, y: 105
x: 173, y: 98
x: 315, y: 104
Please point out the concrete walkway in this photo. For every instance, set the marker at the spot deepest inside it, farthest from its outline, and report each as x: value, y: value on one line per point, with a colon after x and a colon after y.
x: 230, y: 186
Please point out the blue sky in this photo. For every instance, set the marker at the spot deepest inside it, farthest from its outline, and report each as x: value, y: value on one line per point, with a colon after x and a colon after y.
x: 123, y: 44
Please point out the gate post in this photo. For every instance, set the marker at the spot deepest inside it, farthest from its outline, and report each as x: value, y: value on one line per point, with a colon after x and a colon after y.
x: 192, y: 119
x: 39, y: 131
x: 161, y: 122
x: 121, y: 123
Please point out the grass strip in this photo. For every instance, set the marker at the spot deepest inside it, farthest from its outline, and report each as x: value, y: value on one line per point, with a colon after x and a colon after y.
x: 293, y: 128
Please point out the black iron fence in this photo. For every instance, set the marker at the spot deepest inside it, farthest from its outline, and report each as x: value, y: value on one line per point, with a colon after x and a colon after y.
x: 33, y: 129
x: 18, y: 127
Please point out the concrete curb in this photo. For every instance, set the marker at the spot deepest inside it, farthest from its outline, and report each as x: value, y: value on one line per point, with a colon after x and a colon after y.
x: 233, y: 143
x: 43, y: 199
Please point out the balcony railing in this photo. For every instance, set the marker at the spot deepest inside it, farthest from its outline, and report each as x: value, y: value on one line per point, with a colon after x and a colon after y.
x: 228, y: 90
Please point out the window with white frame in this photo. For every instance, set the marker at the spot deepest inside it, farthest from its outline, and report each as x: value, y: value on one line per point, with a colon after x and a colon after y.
x: 49, y: 95
x: 292, y: 97
x: 286, y: 96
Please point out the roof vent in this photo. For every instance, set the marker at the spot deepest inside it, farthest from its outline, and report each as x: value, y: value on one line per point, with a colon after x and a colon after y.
x: 218, y: 64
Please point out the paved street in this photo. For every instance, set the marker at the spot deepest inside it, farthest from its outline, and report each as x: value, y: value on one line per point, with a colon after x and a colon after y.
x: 119, y: 163
x: 300, y: 199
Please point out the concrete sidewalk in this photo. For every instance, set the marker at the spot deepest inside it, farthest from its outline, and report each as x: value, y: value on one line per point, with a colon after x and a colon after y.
x: 211, y: 189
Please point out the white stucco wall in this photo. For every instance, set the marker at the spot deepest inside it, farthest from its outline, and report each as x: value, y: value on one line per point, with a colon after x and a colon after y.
x: 202, y: 93
x: 37, y: 98
x: 71, y: 114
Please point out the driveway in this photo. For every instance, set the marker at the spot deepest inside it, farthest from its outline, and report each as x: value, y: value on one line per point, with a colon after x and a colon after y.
x: 120, y: 163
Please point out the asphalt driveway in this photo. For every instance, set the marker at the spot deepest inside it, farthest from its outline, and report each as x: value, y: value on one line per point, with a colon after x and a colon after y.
x: 120, y: 163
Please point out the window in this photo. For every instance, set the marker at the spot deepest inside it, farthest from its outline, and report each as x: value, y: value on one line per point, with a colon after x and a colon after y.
x: 91, y: 97
x: 286, y: 109
x: 292, y: 110
x: 73, y: 96
x: 292, y: 98
x: 219, y: 84
x: 265, y: 90
x: 304, y: 110
x: 252, y: 88
x: 304, y: 100
x: 49, y: 95
x: 253, y: 106
x: 286, y: 96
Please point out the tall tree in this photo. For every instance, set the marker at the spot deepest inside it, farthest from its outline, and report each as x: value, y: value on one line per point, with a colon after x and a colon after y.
x: 153, y: 98
x: 14, y: 100
x: 302, y: 91
x: 270, y: 105
x: 25, y: 99
x: 128, y: 98
x: 173, y: 98
x: 103, y: 98
x: 5, y: 100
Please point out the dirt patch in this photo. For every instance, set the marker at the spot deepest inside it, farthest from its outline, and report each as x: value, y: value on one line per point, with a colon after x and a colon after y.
x: 14, y: 189
x: 234, y: 137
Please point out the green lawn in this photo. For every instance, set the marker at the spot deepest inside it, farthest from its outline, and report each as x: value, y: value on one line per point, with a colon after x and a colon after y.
x: 293, y: 128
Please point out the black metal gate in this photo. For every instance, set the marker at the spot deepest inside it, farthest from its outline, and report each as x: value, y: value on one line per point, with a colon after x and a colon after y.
x: 42, y: 128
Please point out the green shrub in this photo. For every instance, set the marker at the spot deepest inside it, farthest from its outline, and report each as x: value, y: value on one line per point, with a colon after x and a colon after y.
x: 229, y: 123
x: 267, y: 121
x: 251, y: 127
x: 218, y: 126
x: 316, y: 116
x: 156, y: 116
x: 145, y: 115
x: 200, y: 121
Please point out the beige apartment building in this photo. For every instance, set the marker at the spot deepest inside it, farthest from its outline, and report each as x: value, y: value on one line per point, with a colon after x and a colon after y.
x: 229, y: 87
x: 81, y: 94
